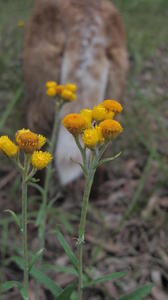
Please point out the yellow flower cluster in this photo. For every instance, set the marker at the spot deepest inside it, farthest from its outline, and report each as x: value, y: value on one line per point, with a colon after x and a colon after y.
x: 100, y: 113
x: 66, y: 92
x: 97, y: 125
x: 90, y: 137
x: 75, y: 123
x: 7, y: 146
x: 112, y: 106
x: 29, y: 142
x: 110, y: 129
x: 41, y: 159
x: 87, y: 115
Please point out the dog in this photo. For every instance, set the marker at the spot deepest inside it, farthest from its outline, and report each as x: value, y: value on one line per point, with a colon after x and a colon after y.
x: 76, y: 41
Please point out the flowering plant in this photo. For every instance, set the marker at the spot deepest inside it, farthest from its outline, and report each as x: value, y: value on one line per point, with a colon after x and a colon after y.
x: 26, y: 149
x: 93, y: 130
x: 61, y: 95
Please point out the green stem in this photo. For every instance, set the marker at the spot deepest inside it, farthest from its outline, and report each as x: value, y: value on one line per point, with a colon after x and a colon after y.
x: 55, y: 127
x: 43, y: 208
x: 137, y: 194
x: 91, y: 166
x: 108, y: 159
x: 24, y: 223
x: 88, y: 185
x: 80, y: 271
x: 48, y: 173
x: 10, y: 107
x: 82, y: 151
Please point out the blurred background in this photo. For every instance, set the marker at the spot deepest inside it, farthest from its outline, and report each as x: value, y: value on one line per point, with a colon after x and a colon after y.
x: 128, y: 215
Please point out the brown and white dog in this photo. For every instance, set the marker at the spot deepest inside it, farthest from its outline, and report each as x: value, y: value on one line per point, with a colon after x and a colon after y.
x: 77, y: 41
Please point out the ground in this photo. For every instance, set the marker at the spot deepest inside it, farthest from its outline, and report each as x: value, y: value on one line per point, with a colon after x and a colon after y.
x: 127, y: 220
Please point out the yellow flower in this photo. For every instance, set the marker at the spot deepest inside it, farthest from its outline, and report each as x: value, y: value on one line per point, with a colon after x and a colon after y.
x: 7, y: 146
x: 59, y: 89
x: 110, y: 129
x: 67, y: 95
x: 51, y: 84
x: 27, y: 140
x: 40, y: 159
x: 41, y: 141
x: 100, y: 135
x: 71, y: 87
x: 112, y: 105
x: 74, y: 123
x: 51, y: 91
x: 90, y: 137
x: 109, y: 115
x: 21, y: 23
x: 67, y: 91
x: 99, y: 113
x: 87, y: 115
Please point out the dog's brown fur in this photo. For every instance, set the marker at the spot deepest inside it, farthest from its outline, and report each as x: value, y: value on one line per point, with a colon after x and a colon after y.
x: 78, y: 41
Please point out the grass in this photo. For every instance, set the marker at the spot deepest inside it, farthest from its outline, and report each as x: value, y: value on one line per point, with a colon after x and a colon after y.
x: 11, y: 46
x: 146, y: 109
x: 146, y: 29
x: 146, y: 26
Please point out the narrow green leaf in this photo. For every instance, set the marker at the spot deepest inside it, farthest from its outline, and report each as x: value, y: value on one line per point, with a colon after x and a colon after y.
x: 34, y: 180
x: 105, y: 278
x: 74, y: 296
x: 78, y: 163
x: 67, y: 224
x: 34, y: 258
x: 138, y: 294
x: 23, y: 292
x: 134, y: 202
x: 40, y: 215
x: 10, y: 107
x: 67, y: 248
x: 108, y: 159
x: 40, y: 277
x: 9, y: 285
x: 37, y: 187
x: 66, y: 293
x: 53, y: 200
x: 46, y: 281
x: 66, y: 270
x: 15, y: 218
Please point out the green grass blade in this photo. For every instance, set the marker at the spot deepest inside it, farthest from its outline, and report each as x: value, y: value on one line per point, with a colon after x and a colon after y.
x: 66, y: 293
x: 9, y: 285
x: 23, y: 292
x: 105, y: 278
x: 40, y: 277
x: 46, y: 281
x: 15, y: 218
x: 66, y: 270
x: 37, y: 187
x: 138, y: 294
x: 138, y: 192
x: 10, y: 107
x: 34, y: 258
x: 67, y: 248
